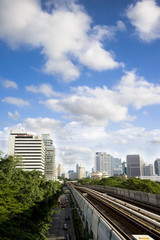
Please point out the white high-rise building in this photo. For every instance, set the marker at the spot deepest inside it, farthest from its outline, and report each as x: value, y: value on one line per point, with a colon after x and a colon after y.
x: 81, y: 172
x: 49, y: 157
x: 102, y: 162
x: 29, y: 147
x: 60, y: 169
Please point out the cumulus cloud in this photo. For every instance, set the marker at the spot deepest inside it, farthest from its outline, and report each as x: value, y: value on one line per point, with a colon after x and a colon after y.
x: 8, y: 83
x: 118, y: 143
x: 97, y: 106
x: 44, y: 88
x: 14, y: 116
x: 64, y: 34
x: 136, y: 91
x: 80, y: 145
x: 15, y: 101
x: 71, y: 155
x: 91, y: 106
x: 41, y: 125
x: 74, y: 131
x: 145, y: 17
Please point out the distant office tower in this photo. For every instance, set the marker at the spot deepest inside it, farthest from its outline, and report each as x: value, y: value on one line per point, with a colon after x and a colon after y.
x: 29, y: 147
x: 124, y: 168
x: 60, y: 169
x: 116, y: 166
x: 157, y: 166
x: 102, y: 163
x: 72, y: 175
x: 65, y: 175
x: 87, y: 174
x: 49, y: 157
x: 134, y: 166
x: 81, y: 172
x: 148, y: 170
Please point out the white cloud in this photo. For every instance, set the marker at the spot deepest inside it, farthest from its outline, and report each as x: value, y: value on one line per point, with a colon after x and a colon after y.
x: 65, y: 35
x: 41, y: 125
x: 77, y: 143
x: 4, y: 140
x: 44, y: 88
x: 71, y: 155
x: 136, y: 91
x: 131, y: 140
x: 92, y: 106
x: 98, y: 106
x: 74, y: 131
x: 79, y: 150
x: 8, y: 83
x: 15, y: 115
x: 15, y: 101
x: 145, y: 17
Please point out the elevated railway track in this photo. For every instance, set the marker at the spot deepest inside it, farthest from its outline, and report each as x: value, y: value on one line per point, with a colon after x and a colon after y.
x: 145, y: 206
x: 126, y: 218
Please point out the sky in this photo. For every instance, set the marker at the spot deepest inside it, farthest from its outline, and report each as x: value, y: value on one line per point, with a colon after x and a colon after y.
x: 87, y: 72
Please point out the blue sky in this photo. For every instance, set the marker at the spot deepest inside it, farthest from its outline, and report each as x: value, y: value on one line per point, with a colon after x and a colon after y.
x: 87, y: 72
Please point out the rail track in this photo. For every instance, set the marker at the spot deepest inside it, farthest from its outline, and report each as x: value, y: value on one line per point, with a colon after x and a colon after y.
x: 125, y: 217
x: 138, y: 203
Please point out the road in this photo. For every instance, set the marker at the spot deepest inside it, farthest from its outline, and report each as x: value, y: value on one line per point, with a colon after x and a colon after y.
x: 56, y: 231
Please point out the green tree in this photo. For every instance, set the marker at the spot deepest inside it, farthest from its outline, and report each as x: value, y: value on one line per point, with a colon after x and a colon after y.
x: 26, y: 201
x: 122, y: 182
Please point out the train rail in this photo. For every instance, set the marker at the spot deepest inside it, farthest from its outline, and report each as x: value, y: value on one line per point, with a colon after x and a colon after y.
x: 142, y: 221
x: 137, y: 203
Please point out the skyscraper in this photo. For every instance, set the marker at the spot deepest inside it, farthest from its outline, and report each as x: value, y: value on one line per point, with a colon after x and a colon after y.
x: 134, y: 166
x: 148, y: 170
x: 60, y: 169
x: 124, y: 168
x: 29, y: 147
x: 116, y: 166
x: 49, y: 157
x: 81, y: 172
x: 102, y: 162
x: 157, y: 166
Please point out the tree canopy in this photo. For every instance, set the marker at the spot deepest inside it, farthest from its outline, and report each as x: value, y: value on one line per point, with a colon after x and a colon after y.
x: 122, y: 182
x: 26, y: 202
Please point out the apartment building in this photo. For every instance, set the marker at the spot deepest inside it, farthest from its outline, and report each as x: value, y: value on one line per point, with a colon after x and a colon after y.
x: 50, y: 171
x: 29, y: 147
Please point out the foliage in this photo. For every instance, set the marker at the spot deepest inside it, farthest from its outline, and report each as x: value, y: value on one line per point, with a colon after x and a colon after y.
x: 121, y: 182
x: 88, y: 181
x: 26, y: 202
x: 77, y: 225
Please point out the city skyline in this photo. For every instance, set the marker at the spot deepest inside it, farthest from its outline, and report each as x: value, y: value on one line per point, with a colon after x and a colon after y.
x: 85, y: 72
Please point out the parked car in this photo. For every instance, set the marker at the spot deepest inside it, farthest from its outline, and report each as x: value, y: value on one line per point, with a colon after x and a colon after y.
x: 65, y: 226
x: 67, y: 217
x: 68, y: 237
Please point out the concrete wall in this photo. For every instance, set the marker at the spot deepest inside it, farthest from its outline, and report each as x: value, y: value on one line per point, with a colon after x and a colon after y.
x: 149, y: 198
x: 98, y: 227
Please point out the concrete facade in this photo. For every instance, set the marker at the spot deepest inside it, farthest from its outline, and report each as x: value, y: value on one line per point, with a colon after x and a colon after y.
x: 148, y: 198
x: 97, y: 226
x: 49, y: 157
x: 60, y: 169
x: 157, y: 166
x: 28, y: 147
x: 102, y: 162
x: 134, y: 165
x: 148, y: 170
